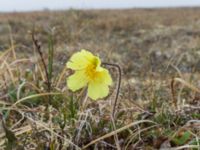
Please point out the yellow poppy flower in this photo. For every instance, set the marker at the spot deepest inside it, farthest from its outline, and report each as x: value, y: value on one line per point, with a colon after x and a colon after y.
x: 88, y: 72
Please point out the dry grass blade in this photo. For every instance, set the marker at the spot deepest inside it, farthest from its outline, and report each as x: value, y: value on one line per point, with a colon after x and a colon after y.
x: 117, y: 131
x: 40, y: 124
x: 187, y: 84
x: 61, y: 77
x: 183, y: 147
x: 7, y: 51
x: 116, y: 138
x: 20, y: 61
x: 41, y: 72
x: 12, y: 43
x: 10, y: 72
x: 33, y: 86
x: 183, y: 82
x: 4, y: 103
x: 17, y: 132
x: 137, y: 133
x: 34, y: 96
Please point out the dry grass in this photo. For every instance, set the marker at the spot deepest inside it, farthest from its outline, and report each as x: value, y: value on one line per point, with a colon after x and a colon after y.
x: 158, y: 105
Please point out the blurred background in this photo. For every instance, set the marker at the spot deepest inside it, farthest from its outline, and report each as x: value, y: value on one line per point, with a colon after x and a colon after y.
x: 152, y: 37
x: 30, y: 5
x: 125, y: 32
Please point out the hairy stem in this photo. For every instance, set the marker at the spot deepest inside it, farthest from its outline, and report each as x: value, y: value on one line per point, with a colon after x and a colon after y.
x: 118, y: 84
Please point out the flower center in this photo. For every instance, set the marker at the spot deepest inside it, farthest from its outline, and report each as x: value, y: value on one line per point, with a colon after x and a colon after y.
x: 91, y: 69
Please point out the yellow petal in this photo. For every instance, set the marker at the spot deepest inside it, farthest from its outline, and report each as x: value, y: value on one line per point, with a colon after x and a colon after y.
x: 105, y: 76
x: 98, y: 88
x: 80, y: 60
x: 77, y: 81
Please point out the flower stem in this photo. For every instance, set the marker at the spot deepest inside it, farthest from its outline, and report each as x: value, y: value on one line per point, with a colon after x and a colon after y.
x: 118, y: 84
x: 48, y: 80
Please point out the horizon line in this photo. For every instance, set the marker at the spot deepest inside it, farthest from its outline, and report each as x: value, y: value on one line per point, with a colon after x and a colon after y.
x: 104, y: 8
